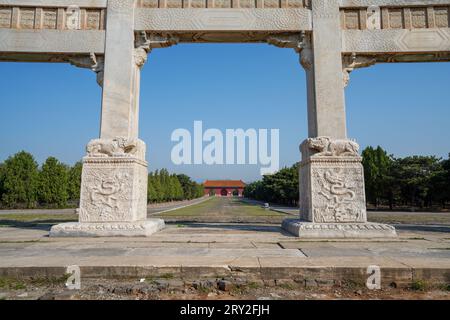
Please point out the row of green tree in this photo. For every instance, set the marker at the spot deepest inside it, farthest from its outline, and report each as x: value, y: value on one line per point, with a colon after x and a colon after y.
x: 415, y: 181
x: 25, y: 184
x: 280, y: 187
x: 164, y: 187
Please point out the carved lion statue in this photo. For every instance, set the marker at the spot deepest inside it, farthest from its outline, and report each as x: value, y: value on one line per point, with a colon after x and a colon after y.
x: 112, y: 147
x: 325, y: 146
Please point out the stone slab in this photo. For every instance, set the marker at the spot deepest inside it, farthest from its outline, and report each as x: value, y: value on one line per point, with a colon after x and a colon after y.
x: 310, y: 230
x: 107, y: 229
x: 52, y: 41
x: 220, y: 255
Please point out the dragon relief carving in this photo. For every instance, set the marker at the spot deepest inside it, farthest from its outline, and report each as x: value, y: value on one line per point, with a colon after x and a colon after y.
x: 117, y: 147
x: 104, y: 196
x: 327, y: 147
x: 339, y: 203
x: 107, y: 196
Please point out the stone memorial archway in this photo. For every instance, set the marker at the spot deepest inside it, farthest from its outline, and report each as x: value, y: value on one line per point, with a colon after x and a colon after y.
x: 332, y: 37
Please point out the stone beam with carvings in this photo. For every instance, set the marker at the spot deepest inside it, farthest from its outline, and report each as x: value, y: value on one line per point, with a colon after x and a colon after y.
x: 190, y: 20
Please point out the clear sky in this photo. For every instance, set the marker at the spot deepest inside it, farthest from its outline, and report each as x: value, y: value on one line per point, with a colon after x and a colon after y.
x: 54, y: 109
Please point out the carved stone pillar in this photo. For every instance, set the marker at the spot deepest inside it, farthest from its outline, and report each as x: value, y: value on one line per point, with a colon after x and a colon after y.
x: 332, y: 198
x: 113, y: 200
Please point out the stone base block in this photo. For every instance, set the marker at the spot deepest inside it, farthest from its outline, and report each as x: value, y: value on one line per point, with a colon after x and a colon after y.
x: 107, y: 229
x: 311, y: 230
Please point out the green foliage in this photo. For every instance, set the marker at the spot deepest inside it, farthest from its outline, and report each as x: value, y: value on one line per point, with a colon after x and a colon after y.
x: 19, y: 178
x: 191, y: 189
x: 23, y: 185
x: 419, y: 285
x: 416, y: 181
x: 53, y: 183
x: 163, y: 187
x: 74, y: 181
x: 377, y: 164
x: 280, y: 187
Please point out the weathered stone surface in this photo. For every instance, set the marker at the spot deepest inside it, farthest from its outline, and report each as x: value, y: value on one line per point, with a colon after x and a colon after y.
x: 312, y: 230
x: 107, y: 229
x: 113, y: 189
x: 332, y: 184
x: 332, y: 197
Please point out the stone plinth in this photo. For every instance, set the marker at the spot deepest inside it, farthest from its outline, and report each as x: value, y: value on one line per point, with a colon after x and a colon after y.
x: 332, y: 190
x: 311, y: 230
x: 113, y: 200
x: 332, y: 197
x: 107, y: 229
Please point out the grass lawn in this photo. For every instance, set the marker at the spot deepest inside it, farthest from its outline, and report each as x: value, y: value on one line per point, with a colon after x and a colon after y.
x: 223, y: 209
x: 409, y: 218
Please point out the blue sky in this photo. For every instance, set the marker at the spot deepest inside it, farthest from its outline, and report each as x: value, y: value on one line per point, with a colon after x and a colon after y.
x: 54, y: 109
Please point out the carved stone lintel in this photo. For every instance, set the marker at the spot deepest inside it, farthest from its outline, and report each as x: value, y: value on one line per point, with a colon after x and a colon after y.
x: 93, y: 62
x: 144, y: 44
x: 352, y: 62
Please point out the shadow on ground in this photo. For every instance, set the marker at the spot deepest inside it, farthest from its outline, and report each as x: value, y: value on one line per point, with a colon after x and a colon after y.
x: 43, y: 225
x: 423, y: 228
x: 235, y: 226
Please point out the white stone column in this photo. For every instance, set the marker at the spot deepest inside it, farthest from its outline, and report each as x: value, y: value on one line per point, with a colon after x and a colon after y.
x: 113, y: 200
x: 332, y: 198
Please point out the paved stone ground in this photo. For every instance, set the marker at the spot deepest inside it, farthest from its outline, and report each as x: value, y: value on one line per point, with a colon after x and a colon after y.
x: 220, y: 248
x: 261, y: 256
x: 255, y: 254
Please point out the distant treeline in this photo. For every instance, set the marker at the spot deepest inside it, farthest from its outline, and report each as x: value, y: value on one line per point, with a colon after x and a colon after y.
x: 25, y: 184
x: 280, y: 187
x: 164, y: 187
x: 415, y: 181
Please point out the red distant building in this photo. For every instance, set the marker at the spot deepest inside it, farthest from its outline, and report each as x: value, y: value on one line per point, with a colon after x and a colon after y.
x: 224, y: 188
